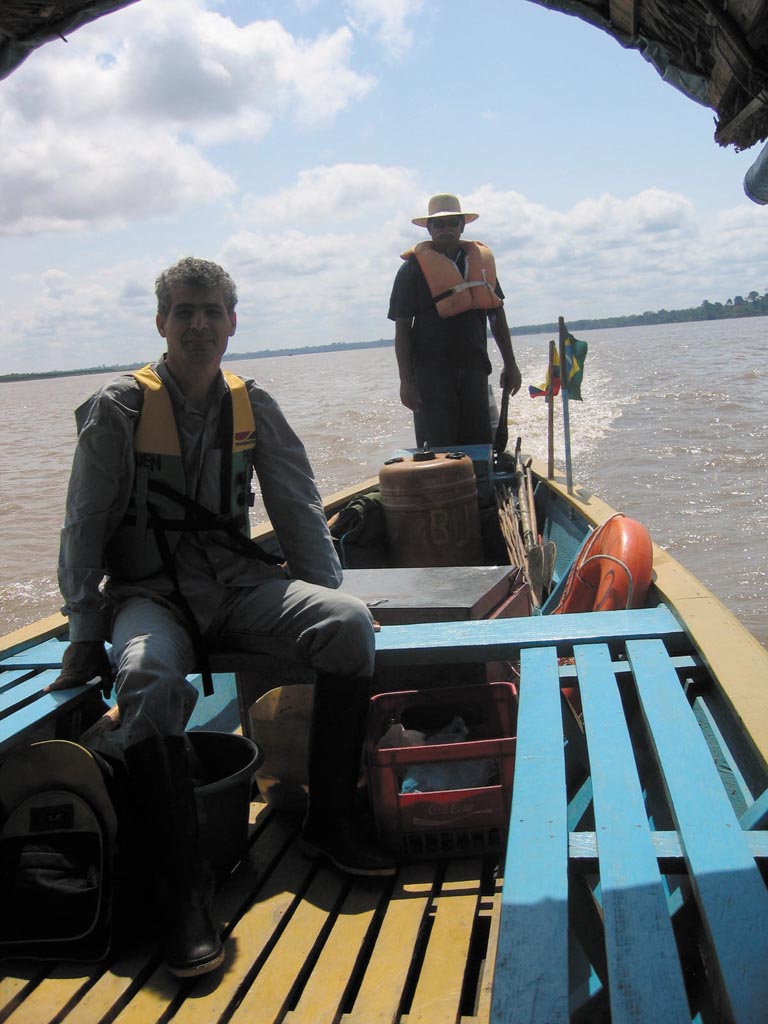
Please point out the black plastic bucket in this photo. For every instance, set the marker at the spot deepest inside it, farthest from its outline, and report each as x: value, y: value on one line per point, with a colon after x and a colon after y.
x: 223, y: 795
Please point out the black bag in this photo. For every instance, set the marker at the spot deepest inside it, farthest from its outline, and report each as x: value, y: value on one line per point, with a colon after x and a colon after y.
x: 57, y: 854
x: 359, y: 533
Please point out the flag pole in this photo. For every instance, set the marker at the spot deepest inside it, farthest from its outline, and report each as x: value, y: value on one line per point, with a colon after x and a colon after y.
x: 564, y: 393
x: 551, y: 414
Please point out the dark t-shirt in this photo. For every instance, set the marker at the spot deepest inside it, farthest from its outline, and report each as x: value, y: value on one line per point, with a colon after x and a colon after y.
x: 460, y: 340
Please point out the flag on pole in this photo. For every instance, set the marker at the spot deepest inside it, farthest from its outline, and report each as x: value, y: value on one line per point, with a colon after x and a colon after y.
x: 575, y: 354
x: 548, y: 388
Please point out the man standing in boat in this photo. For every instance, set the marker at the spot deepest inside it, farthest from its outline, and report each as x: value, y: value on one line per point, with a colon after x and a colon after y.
x: 158, y: 507
x: 443, y: 298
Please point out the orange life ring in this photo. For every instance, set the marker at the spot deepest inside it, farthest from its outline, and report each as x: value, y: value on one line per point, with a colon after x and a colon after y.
x: 612, y: 570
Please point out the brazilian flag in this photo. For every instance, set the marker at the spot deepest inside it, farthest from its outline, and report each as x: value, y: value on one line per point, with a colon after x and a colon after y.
x: 575, y: 354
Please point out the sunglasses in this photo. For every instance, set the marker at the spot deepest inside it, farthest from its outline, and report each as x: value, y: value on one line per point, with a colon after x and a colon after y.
x: 451, y: 222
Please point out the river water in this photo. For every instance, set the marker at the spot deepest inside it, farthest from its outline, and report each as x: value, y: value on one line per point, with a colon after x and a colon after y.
x: 673, y: 431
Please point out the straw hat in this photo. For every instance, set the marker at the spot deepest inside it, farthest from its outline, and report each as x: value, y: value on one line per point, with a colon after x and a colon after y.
x: 444, y: 205
x: 55, y: 765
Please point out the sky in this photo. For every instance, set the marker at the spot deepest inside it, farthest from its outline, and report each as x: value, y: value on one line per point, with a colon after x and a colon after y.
x: 293, y: 141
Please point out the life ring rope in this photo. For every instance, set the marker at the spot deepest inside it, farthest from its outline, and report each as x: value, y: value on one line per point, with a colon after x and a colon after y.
x: 607, y: 558
x: 579, y: 591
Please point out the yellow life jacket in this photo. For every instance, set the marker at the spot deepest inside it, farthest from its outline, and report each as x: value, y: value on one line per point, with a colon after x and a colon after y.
x: 159, y: 487
x: 452, y: 292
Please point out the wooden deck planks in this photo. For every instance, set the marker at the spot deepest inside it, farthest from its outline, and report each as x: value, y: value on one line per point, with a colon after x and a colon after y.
x: 441, y: 979
x: 644, y: 975
x: 321, y: 999
x: 268, y: 995
x: 731, y: 894
x: 300, y: 936
x: 52, y: 995
x: 381, y: 991
x: 531, y: 973
x: 485, y: 988
x: 16, y: 977
x: 112, y: 988
x: 249, y: 941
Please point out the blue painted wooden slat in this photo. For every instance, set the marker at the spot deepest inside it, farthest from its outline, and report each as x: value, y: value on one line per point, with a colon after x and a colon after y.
x: 644, y: 975
x: 23, y: 692
x: 48, y: 706
x: 45, y: 655
x: 486, y: 639
x: 682, y: 662
x: 531, y: 972
x: 730, y: 775
x: 729, y: 890
x: 11, y: 677
x: 218, y: 712
x: 756, y: 815
x: 582, y: 846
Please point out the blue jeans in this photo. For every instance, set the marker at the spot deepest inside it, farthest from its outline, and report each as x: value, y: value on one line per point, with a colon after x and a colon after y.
x: 300, y: 625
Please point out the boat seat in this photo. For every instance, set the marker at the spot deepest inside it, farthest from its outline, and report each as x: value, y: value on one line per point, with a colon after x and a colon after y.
x: 626, y: 948
x: 27, y: 713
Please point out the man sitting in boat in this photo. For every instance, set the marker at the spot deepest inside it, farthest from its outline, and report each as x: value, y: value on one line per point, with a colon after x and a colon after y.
x: 443, y: 297
x: 158, y: 505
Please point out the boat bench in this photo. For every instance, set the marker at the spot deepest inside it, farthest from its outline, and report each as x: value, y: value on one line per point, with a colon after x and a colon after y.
x: 594, y: 913
x: 27, y: 713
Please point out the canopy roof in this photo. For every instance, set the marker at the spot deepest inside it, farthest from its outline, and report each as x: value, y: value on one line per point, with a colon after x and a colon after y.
x: 27, y: 24
x: 716, y: 51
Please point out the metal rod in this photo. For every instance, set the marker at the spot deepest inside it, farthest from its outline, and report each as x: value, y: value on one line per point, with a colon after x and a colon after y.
x: 566, y: 420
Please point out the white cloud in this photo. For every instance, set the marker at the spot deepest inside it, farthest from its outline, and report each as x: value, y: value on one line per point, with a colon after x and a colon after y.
x: 386, y: 19
x: 324, y: 195
x: 603, y: 256
x: 61, y: 320
x: 113, y: 125
x: 57, y: 182
x: 57, y: 284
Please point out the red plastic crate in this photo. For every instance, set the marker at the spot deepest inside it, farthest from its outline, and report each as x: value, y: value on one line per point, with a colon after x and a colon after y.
x: 443, y: 822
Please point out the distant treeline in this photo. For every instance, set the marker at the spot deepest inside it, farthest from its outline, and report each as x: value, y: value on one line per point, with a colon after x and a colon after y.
x: 228, y: 357
x: 753, y: 305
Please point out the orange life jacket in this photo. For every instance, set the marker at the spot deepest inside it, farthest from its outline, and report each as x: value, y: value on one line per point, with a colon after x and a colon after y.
x: 452, y: 293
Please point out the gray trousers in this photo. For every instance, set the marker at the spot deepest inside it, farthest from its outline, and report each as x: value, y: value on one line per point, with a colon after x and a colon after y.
x: 454, y: 406
x: 298, y: 624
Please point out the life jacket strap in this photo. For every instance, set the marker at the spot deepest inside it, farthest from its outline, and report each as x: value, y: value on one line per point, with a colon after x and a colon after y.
x: 462, y: 287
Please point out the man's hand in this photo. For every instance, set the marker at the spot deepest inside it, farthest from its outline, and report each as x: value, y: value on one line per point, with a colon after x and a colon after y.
x: 83, y: 661
x: 511, y: 378
x: 409, y: 395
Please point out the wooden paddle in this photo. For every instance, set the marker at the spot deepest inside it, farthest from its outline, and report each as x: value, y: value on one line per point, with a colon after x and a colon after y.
x: 533, y: 552
x: 548, y: 548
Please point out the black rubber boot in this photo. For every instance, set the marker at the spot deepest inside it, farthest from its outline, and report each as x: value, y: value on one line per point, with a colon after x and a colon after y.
x: 336, y: 743
x: 158, y: 770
